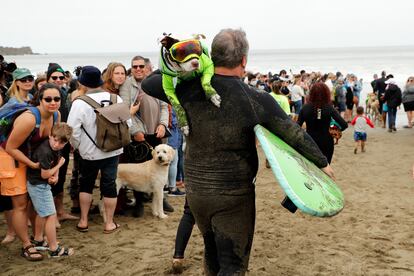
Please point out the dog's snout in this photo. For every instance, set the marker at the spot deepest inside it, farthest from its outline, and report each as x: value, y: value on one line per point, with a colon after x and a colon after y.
x: 160, y: 158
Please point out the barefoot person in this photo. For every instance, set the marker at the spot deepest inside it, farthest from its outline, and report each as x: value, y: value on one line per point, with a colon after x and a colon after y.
x: 221, y: 157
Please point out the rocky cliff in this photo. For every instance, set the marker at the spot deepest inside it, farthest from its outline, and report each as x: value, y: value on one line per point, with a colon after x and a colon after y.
x: 15, y: 51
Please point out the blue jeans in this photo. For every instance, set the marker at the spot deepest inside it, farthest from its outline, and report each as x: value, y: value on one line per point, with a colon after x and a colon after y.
x: 172, y: 171
x: 392, y: 116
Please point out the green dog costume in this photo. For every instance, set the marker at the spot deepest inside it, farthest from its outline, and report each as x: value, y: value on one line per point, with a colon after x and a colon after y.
x: 174, y: 54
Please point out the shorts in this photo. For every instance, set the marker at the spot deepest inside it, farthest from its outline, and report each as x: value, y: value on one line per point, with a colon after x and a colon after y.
x: 408, y: 106
x: 16, y: 185
x: 360, y: 136
x: 42, y: 199
x: 384, y: 107
x: 341, y: 107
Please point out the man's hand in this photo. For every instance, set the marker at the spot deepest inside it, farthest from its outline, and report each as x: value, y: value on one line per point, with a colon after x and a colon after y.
x: 139, y: 137
x: 329, y: 171
x: 160, y: 132
x: 134, y: 109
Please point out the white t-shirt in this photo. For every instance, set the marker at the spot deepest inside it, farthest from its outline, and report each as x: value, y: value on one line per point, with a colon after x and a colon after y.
x: 82, y: 114
x: 296, y: 93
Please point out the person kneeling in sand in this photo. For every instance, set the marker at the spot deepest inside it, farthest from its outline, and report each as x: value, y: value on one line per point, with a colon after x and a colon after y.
x: 360, y: 123
x: 40, y: 181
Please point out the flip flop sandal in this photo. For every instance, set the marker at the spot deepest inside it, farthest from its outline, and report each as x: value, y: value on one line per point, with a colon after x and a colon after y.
x: 29, y: 255
x: 112, y: 230
x: 82, y: 229
x: 61, y: 252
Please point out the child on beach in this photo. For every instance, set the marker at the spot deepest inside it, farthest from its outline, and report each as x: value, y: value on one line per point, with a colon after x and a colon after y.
x: 39, y: 181
x: 360, y: 123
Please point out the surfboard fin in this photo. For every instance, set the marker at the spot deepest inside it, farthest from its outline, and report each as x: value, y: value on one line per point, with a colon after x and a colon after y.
x: 288, y: 204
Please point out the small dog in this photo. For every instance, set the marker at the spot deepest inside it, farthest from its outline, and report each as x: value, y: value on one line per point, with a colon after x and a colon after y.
x: 184, y: 60
x: 149, y: 177
x: 336, y: 133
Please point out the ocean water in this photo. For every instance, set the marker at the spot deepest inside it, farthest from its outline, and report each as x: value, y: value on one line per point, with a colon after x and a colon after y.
x: 362, y: 61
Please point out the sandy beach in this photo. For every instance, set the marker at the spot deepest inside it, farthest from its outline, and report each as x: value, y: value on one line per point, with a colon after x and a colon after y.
x: 373, y: 235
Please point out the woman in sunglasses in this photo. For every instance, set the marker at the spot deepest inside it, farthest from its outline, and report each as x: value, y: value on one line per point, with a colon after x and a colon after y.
x: 24, y: 138
x: 23, y: 82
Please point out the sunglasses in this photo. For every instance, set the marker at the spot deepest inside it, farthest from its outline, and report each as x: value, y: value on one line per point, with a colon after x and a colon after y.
x: 56, y: 77
x: 141, y: 66
x: 50, y: 99
x: 27, y: 79
x: 186, y: 50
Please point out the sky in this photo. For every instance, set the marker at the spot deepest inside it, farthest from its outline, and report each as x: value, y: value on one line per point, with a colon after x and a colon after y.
x: 100, y: 26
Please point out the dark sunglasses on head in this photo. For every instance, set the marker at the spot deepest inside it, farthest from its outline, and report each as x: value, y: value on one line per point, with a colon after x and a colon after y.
x: 56, y: 77
x: 49, y: 99
x: 27, y: 79
x: 141, y: 66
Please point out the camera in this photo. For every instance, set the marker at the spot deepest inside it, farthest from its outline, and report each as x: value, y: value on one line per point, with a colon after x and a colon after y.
x: 6, y: 70
x: 5, y: 66
x: 77, y: 71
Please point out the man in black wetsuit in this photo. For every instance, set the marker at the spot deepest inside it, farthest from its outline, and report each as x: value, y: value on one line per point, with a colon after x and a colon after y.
x: 221, y: 160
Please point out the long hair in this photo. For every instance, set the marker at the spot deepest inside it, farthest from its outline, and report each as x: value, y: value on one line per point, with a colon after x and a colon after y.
x: 14, y: 92
x: 39, y: 94
x: 107, y: 76
x: 320, y: 95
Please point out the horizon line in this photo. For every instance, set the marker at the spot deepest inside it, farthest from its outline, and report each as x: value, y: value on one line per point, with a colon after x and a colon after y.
x: 256, y: 49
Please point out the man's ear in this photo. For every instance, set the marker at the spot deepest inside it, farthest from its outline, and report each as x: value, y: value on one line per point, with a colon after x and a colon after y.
x: 244, y: 61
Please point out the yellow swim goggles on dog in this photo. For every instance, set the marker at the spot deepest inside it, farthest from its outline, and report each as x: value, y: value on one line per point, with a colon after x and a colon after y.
x: 186, y: 50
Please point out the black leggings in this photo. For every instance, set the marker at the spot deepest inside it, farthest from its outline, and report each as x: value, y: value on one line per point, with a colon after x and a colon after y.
x: 183, y: 232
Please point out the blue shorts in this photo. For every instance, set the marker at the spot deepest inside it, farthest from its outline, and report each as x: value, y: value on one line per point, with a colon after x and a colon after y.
x: 360, y: 136
x: 42, y: 199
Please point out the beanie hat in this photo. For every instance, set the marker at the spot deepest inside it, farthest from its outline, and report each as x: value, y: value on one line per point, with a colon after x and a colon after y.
x: 53, y: 67
x: 90, y: 77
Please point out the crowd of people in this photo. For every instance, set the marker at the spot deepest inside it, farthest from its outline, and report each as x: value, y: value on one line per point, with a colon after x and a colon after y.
x: 220, y: 167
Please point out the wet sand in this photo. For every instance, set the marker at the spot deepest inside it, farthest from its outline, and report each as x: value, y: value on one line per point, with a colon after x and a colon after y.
x: 373, y: 235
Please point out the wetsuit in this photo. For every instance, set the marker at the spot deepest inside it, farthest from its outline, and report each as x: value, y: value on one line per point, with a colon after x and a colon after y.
x: 318, y: 128
x: 221, y: 162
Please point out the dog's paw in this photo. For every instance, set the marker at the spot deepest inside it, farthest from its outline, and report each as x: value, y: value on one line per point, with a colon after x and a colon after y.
x: 185, y: 130
x: 163, y: 216
x: 216, y: 100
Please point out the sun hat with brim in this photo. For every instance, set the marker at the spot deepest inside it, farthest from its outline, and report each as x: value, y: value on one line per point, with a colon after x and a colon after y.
x: 20, y: 73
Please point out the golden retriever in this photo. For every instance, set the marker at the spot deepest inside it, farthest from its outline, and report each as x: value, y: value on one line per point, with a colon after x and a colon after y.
x: 149, y: 177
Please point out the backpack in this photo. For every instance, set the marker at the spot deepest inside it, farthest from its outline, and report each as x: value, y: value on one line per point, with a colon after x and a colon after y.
x: 9, y: 112
x: 112, y: 130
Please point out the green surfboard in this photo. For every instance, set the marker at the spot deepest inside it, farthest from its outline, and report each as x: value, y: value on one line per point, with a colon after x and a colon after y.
x: 308, y: 187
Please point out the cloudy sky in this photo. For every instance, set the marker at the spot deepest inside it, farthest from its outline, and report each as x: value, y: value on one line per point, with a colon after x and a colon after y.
x: 93, y: 26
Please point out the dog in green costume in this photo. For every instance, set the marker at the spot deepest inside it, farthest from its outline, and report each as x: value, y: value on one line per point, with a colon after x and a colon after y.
x: 185, y: 60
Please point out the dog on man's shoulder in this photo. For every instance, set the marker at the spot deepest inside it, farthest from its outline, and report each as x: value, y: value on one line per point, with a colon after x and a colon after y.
x: 148, y: 177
